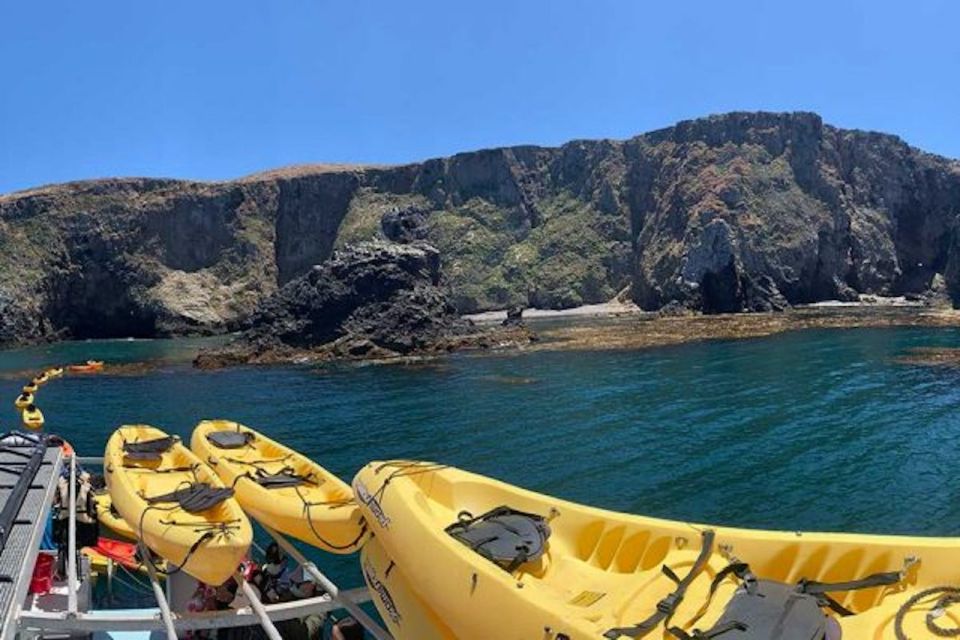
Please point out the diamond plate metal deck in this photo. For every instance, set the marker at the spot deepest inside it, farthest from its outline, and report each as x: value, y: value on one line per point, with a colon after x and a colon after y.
x: 17, y: 559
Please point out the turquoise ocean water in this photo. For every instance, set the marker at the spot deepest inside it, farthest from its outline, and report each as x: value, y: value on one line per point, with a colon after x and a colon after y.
x: 814, y: 430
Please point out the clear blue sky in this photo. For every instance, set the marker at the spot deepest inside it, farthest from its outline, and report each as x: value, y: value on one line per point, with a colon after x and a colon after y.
x: 214, y: 89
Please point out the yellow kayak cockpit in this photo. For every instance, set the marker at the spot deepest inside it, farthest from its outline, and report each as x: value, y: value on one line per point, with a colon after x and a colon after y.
x: 23, y: 400
x: 175, y: 503
x: 614, y: 575
x: 280, y: 487
x: 32, y: 417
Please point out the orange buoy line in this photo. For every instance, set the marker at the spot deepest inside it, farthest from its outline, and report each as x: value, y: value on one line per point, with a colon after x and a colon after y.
x: 25, y: 404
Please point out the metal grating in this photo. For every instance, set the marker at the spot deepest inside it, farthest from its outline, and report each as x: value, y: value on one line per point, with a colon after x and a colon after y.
x: 16, y: 561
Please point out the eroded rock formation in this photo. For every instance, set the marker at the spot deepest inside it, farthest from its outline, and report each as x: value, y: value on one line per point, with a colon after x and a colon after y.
x: 370, y: 300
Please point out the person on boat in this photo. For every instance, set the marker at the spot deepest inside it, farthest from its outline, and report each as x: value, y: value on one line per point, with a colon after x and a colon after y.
x: 306, y: 628
x: 202, y: 599
x: 87, y: 524
x: 229, y: 596
x: 88, y: 530
x: 277, y: 575
x: 225, y: 596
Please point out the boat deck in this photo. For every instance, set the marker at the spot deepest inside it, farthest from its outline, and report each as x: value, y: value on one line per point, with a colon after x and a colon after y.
x: 20, y: 557
x: 20, y: 552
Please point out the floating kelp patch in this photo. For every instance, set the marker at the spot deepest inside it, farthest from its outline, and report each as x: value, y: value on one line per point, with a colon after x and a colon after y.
x: 932, y: 357
x: 509, y: 380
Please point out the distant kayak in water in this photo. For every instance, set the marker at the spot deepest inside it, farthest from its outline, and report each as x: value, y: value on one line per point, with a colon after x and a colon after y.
x: 89, y: 367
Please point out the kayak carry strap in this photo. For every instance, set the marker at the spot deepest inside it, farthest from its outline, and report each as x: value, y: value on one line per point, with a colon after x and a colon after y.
x: 285, y: 477
x: 667, y: 606
x: 739, y: 569
x: 716, y: 632
x: 503, y: 535
x: 148, y: 449
x: 195, y: 497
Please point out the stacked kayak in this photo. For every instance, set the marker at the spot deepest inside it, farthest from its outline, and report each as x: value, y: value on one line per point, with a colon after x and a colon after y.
x: 175, y: 503
x: 280, y: 487
x: 492, y: 560
x: 406, y: 615
x: 108, y: 516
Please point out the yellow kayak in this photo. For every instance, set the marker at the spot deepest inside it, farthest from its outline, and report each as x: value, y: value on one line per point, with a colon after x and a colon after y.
x: 23, y: 400
x: 550, y: 569
x: 32, y: 417
x: 30, y: 388
x: 280, y: 487
x: 91, y: 366
x: 40, y: 379
x: 407, y: 616
x: 55, y: 372
x: 109, y: 517
x: 175, y: 503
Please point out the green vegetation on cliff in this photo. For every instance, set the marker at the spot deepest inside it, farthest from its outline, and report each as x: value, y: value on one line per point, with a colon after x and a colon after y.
x: 739, y: 212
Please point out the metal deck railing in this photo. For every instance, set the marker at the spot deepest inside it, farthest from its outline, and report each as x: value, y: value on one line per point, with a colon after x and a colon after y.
x: 164, y: 619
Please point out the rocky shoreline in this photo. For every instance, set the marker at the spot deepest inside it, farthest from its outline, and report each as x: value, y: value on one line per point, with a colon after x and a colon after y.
x: 637, y: 332
x: 658, y: 330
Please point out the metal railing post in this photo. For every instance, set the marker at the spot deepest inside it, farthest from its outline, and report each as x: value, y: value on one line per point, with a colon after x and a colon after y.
x: 72, y: 583
x: 158, y: 593
x: 258, y: 609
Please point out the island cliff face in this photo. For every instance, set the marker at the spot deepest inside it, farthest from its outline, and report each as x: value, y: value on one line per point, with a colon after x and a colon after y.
x: 739, y: 212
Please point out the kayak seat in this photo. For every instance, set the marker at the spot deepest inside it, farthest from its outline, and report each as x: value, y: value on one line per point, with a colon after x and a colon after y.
x: 195, y: 498
x: 148, y: 449
x: 503, y: 535
x: 279, y: 480
x: 230, y: 439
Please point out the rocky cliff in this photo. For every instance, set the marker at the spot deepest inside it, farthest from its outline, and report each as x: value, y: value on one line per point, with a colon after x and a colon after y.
x: 739, y: 212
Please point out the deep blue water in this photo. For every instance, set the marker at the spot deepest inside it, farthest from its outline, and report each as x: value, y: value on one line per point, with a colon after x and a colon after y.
x: 814, y: 430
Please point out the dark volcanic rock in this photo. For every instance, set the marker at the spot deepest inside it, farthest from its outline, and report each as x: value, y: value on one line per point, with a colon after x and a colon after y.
x: 371, y: 300
x: 514, y: 317
x: 737, y: 212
